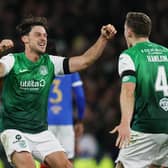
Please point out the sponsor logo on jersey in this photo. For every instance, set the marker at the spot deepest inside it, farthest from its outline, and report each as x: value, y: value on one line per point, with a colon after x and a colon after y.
x: 56, y: 109
x: 164, y: 103
x: 23, y: 70
x: 43, y: 70
x: 32, y: 84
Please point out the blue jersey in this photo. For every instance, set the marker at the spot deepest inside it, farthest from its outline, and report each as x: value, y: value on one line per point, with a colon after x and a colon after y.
x: 60, y: 101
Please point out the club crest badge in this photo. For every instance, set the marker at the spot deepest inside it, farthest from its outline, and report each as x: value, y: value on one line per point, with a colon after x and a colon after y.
x: 163, y: 103
x: 43, y: 70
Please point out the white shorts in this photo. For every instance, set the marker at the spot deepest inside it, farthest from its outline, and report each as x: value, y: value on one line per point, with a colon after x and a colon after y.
x: 40, y: 144
x: 65, y: 135
x: 145, y: 149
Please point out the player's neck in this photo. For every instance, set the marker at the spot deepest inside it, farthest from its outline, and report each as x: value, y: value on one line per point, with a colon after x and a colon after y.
x: 32, y: 56
x: 139, y: 40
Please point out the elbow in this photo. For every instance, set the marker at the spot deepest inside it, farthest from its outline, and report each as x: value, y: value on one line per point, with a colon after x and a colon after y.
x: 86, y: 61
x: 128, y: 94
x: 85, y: 65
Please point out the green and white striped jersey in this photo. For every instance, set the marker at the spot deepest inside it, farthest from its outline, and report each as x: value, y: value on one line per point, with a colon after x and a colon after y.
x: 146, y: 63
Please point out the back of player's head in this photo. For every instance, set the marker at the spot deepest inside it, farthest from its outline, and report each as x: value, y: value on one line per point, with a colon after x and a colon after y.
x: 26, y: 25
x: 140, y: 23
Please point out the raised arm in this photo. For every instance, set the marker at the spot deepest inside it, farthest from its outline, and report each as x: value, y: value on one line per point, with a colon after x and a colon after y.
x: 4, y: 45
x: 81, y: 62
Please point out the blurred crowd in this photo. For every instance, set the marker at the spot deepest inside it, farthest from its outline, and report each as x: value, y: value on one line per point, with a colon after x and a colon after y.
x: 73, y: 26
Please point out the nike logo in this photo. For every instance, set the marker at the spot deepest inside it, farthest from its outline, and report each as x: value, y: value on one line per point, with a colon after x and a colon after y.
x: 23, y: 70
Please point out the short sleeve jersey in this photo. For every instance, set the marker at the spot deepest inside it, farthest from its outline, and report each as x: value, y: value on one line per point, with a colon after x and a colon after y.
x: 148, y: 63
x: 25, y: 91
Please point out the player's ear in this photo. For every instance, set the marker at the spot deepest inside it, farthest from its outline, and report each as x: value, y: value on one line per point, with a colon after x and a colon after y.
x: 24, y: 38
x: 129, y: 33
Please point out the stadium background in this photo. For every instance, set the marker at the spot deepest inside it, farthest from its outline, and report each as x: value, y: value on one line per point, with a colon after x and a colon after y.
x: 73, y: 26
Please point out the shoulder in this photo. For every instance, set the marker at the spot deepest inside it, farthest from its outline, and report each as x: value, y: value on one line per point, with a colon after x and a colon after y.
x: 125, y: 63
x: 17, y: 54
x: 9, y: 56
x: 125, y: 57
x: 161, y: 46
x: 131, y: 51
x: 55, y: 58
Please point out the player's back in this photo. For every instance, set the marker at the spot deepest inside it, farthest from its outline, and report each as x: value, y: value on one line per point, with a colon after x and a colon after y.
x: 151, y: 95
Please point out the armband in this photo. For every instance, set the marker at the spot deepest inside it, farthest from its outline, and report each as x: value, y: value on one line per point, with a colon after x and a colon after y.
x: 128, y: 78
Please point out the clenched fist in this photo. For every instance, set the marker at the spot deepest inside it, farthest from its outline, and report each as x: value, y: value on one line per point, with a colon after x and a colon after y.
x: 6, y: 44
x: 108, y: 31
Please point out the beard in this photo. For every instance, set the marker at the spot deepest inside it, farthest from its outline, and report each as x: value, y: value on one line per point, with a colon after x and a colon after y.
x: 38, y: 51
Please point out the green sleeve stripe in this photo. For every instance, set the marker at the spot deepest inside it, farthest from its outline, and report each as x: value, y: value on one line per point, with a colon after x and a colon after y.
x: 128, y: 78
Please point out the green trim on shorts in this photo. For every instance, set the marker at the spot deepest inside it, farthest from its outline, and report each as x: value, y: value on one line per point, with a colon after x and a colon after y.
x: 128, y: 78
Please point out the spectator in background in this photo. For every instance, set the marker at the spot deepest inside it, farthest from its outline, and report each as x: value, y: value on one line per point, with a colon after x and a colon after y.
x: 63, y: 91
x: 88, y: 149
x: 144, y: 72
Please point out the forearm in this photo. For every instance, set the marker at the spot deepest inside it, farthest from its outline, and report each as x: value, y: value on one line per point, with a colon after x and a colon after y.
x: 127, y: 107
x: 90, y: 56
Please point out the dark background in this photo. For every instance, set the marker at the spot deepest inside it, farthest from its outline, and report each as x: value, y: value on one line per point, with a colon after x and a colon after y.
x: 73, y: 26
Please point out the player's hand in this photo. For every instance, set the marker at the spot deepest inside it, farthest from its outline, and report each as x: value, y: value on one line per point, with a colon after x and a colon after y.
x: 6, y: 44
x: 108, y: 31
x: 123, y: 138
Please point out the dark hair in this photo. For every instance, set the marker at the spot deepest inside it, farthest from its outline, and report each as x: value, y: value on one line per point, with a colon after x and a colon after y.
x: 140, y: 23
x: 27, y: 24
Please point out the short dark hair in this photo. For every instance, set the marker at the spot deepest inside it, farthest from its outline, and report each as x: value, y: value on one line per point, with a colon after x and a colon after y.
x: 27, y: 24
x: 140, y: 23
